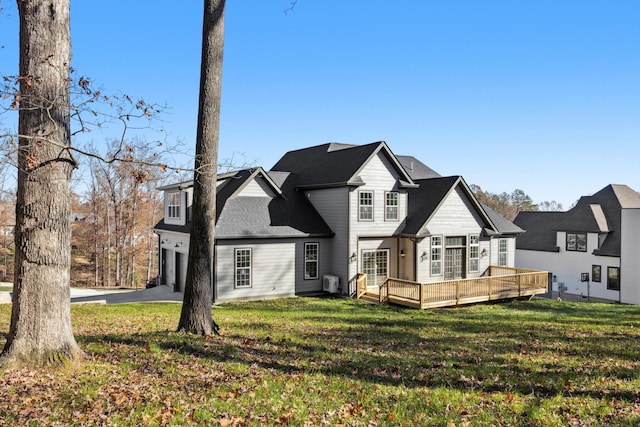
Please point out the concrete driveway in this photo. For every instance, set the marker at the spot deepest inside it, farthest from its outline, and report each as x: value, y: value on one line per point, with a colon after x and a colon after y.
x: 117, y: 296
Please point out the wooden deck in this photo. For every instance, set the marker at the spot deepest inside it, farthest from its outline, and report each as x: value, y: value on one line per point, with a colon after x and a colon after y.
x: 500, y: 283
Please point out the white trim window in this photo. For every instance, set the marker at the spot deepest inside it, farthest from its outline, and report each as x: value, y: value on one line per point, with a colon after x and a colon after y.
x: 436, y: 255
x: 391, y: 201
x: 243, y: 267
x: 365, y: 206
x: 173, y: 205
x: 311, y: 253
x: 474, y: 253
x: 502, y: 252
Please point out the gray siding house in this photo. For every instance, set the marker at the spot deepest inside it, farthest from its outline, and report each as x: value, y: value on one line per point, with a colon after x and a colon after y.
x: 323, y: 214
x: 592, y: 250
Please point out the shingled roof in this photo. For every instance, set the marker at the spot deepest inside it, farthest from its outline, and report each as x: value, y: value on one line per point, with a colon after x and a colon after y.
x: 540, y: 234
x: 501, y: 224
x: 599, y: 213
x: 425, y: 200
x: 334, y: 164
x: 416, y: 169
x: 289, y: 214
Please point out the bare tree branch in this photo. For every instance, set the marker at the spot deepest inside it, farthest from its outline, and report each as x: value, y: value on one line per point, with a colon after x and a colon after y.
x: 291, y: 7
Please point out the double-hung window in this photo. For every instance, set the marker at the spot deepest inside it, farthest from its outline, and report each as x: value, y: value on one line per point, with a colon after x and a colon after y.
x: 243, y: 268
x: 436, y: 255
x: 391, y: 206
x: 502, y: 252
x: 311, y: 260
x: 613, y: 278
x: 577, y: 242
x: 474, y: 252
x: 365, y: 206
x: 173, y: 205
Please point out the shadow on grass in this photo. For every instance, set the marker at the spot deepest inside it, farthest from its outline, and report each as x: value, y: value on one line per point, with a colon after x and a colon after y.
x: 488, y: 349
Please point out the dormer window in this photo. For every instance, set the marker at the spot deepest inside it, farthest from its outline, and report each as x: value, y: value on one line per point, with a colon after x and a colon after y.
x: 173, y: 205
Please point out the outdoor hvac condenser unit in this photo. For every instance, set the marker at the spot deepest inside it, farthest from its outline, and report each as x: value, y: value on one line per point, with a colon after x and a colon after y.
x: 330, y: 284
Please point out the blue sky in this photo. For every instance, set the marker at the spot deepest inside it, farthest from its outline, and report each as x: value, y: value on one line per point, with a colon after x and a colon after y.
x: 542, y: 96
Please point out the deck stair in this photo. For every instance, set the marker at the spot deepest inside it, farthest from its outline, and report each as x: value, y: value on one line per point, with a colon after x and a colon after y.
x: 370, y: 298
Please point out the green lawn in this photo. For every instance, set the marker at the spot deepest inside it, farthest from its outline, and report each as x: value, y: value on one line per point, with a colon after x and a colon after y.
x: 6, y: 288
x: 310, y: 361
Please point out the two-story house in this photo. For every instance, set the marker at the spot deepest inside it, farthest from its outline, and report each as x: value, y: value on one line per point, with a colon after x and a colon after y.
x: 591, y: 250
x: 324, y: 214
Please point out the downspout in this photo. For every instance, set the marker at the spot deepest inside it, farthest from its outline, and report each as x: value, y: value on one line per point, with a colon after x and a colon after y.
x: 159, y: 277
x: 415, y: 259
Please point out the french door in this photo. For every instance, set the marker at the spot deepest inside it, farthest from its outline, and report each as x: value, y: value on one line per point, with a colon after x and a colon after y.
x: 375, y: 264
x: 454, y: 264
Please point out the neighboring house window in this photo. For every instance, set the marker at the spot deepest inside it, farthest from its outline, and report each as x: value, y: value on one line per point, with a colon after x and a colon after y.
x: 577, y: 242
x: 474, y: 252
x: 436, y: 255
x: 596, y: 273
x: 391, y: 207
x: 502, y: 252
x: 243, y: 268
x: 613, y: 278
x: 365, y: 206
x: 173, y: 205
x: 311, y: 260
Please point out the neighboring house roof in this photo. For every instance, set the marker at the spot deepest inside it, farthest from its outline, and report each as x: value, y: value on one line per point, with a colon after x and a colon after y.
x: 416, y: 169
x: 599, y: 213
x: 425, y: 200
x: 335, y: 165
x: 540, y: 235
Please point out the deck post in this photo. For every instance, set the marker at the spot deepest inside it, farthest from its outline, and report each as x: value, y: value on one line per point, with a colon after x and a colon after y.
x: 490, y: 286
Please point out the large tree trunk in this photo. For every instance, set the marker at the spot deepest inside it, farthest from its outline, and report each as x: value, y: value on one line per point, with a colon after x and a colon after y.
x: 40, y: 332
x: 196, y: 308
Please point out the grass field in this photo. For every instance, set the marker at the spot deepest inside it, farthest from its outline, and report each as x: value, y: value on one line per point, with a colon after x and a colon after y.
x: 312, y: 361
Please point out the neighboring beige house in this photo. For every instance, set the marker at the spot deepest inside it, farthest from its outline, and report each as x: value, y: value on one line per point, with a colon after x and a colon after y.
x: 592, y: 251
x: 324, y: 214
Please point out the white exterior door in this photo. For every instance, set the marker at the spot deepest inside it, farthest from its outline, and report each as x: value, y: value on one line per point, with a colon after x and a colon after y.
x: 454, y: 264
x: 375, y: 264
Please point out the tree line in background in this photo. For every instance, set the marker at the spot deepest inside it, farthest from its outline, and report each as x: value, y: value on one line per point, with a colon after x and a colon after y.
x: 112, y: 237
x: 510, y: 204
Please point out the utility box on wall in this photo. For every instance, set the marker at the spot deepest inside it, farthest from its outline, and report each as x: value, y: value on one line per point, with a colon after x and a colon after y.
x: 330, y: 284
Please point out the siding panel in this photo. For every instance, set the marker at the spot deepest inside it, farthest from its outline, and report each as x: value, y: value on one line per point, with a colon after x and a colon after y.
x: 272, y: 270
x: 332, y: 204
x: 630, y: 257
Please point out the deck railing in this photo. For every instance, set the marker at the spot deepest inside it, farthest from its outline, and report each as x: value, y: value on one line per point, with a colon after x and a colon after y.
x: 504, y: 283
x: 361, y: 284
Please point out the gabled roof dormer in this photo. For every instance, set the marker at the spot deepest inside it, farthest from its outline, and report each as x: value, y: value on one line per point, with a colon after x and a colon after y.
x: 337, y: 165
x: 426, y: 200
